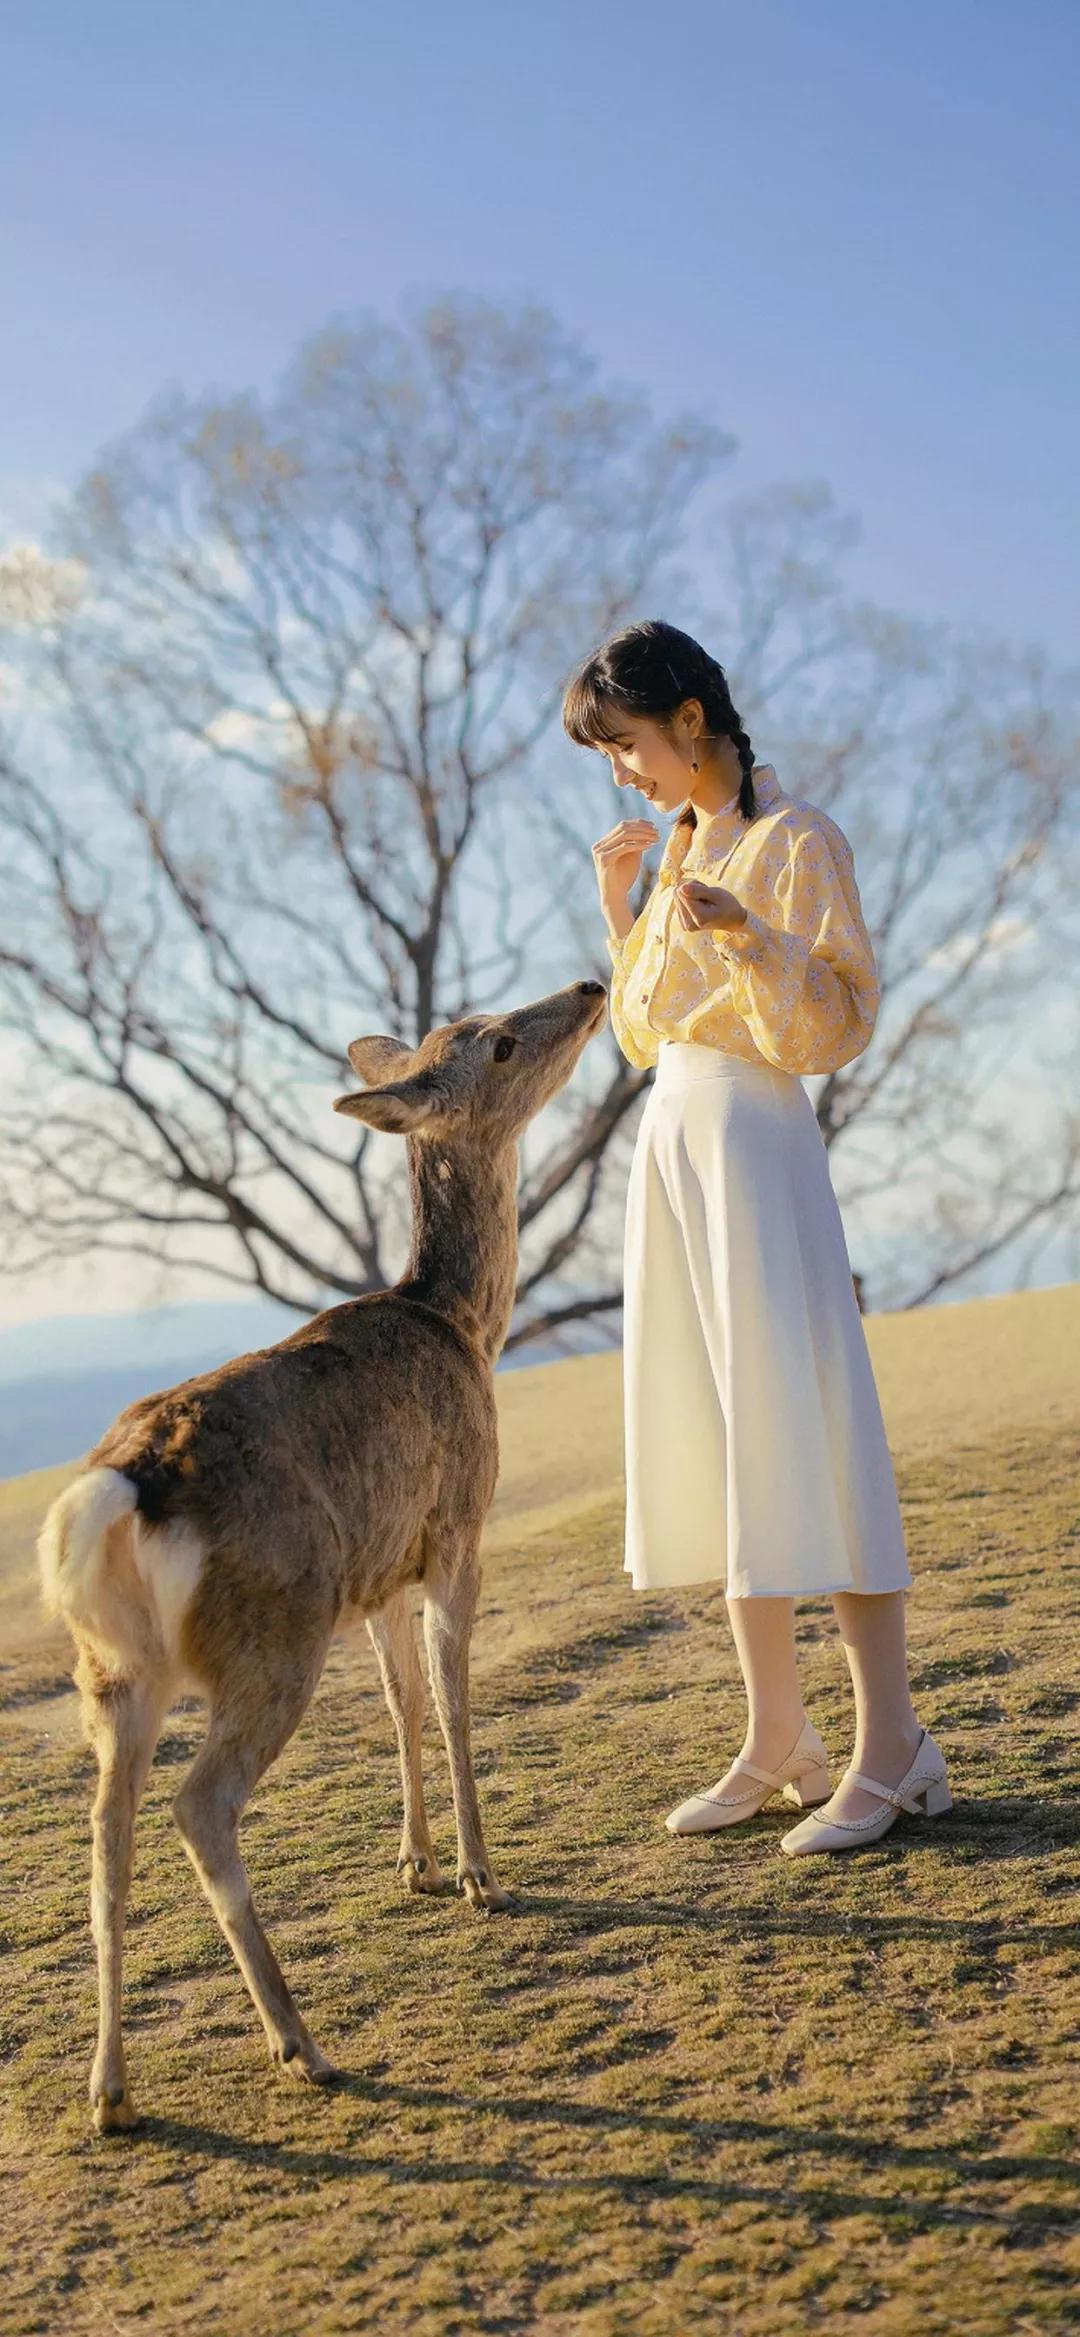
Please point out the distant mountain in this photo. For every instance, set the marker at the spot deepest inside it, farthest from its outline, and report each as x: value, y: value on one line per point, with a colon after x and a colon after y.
x: 64, y: 1379
x: 147, y: 1337
x: 58, y: 1416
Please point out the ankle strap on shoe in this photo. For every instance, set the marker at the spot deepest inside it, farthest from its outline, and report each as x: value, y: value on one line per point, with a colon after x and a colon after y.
x: 872, y: 1785
x: 766, y: 1776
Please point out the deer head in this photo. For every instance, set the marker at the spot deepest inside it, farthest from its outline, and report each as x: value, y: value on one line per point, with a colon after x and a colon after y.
x: 480, y: 1079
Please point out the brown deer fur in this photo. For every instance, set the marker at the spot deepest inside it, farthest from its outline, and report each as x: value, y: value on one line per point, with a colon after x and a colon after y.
x: 224, y: 1528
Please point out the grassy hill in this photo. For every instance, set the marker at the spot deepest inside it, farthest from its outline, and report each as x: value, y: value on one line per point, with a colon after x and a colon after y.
x: 685, y: 2085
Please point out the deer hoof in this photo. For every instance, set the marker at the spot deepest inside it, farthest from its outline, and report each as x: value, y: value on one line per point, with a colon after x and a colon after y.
x: 114, y: 2111
x: 303, y: 2060
x: 421, y: 1874
x: 482, y: 1891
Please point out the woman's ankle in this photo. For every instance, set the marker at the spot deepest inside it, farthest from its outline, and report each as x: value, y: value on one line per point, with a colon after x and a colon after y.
x: 770, y: 1737
x: 887, y: 1751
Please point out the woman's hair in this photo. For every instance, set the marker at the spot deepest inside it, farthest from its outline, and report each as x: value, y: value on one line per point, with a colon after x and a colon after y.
x: 647, y: 671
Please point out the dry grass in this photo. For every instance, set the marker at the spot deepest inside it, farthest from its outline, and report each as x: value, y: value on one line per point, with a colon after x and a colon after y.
x: 686, y: 2085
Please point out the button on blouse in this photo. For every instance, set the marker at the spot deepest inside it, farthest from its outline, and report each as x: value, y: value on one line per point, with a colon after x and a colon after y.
x: 796, y: 986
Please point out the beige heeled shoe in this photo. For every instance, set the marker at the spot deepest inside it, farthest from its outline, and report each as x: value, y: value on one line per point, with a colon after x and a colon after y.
x: 802, y: 1779
x: 923, y: 1791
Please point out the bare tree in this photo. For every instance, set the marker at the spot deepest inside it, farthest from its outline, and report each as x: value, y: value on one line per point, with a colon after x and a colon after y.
x: 291, y: 770
x: 951, y: 760
x: 276, y: 799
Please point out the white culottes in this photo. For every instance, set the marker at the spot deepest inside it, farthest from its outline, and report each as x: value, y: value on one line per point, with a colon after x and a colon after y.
x: 755, y: 1447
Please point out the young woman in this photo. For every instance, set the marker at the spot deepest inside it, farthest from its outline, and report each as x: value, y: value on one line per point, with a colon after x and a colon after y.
x: 755, y: 1446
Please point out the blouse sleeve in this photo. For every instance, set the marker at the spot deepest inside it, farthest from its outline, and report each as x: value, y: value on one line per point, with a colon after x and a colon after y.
x: 623, y: 953
x: 804, y: 980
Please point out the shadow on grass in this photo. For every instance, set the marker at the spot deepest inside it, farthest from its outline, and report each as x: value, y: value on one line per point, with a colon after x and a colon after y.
x: 783, y: 2142
x: 594, y: 1916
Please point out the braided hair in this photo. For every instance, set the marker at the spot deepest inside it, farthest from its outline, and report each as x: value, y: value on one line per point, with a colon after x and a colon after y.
x: 647, y: 671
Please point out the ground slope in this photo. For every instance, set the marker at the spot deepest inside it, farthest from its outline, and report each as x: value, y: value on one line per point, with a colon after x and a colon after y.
x: 686, y: 2085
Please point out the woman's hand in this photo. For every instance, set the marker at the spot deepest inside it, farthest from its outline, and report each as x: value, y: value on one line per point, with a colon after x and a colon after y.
x: 702, y: 906
x: 617, y: 859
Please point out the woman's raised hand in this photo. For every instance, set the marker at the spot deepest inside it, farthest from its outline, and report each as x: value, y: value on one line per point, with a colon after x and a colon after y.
x: 617, y: 859
x: 703, y: 905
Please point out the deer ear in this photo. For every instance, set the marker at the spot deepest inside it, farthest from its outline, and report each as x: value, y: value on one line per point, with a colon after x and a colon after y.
x: 402, y: 1109
x: 379, y: 1057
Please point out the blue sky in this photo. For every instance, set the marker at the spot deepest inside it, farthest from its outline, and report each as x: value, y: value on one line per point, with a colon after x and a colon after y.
x: 846, y: 233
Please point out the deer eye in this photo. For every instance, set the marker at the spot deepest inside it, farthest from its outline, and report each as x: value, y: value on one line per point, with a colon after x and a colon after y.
x: 504, y: 1046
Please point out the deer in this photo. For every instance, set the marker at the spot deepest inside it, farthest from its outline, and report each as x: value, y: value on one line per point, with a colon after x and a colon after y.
x: 223, y: 1530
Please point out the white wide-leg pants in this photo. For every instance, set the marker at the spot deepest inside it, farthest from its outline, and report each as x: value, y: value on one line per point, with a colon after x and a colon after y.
x: 755, y: 1447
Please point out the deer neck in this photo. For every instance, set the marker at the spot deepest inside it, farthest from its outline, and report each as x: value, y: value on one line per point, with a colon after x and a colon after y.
x: 464, y: 1253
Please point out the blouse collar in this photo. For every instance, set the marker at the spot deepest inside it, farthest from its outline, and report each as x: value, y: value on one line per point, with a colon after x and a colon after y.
x: 724, y: 825
x: 766, y: 789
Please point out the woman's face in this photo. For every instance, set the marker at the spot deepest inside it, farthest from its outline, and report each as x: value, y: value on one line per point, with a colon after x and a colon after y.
x: 643, y: 756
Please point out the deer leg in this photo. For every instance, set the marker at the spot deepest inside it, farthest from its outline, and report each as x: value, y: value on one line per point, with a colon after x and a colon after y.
x: 449, y: 1607
x: 244, y: 1735
x: 122, y: 1719
x: 391, y: 1633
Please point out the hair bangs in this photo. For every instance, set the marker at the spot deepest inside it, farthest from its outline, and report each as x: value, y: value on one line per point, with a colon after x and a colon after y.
x: 592, y: 715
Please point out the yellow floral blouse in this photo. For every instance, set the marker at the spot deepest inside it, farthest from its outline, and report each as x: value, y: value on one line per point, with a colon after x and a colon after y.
x: 796, y: 986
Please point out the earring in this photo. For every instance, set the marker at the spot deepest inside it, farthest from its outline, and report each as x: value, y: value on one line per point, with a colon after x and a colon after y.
x: 693, y: 762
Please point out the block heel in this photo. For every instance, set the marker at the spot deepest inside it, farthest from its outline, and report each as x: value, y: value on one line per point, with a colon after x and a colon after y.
x: 933, y: 1801
x: 806, y: 1791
